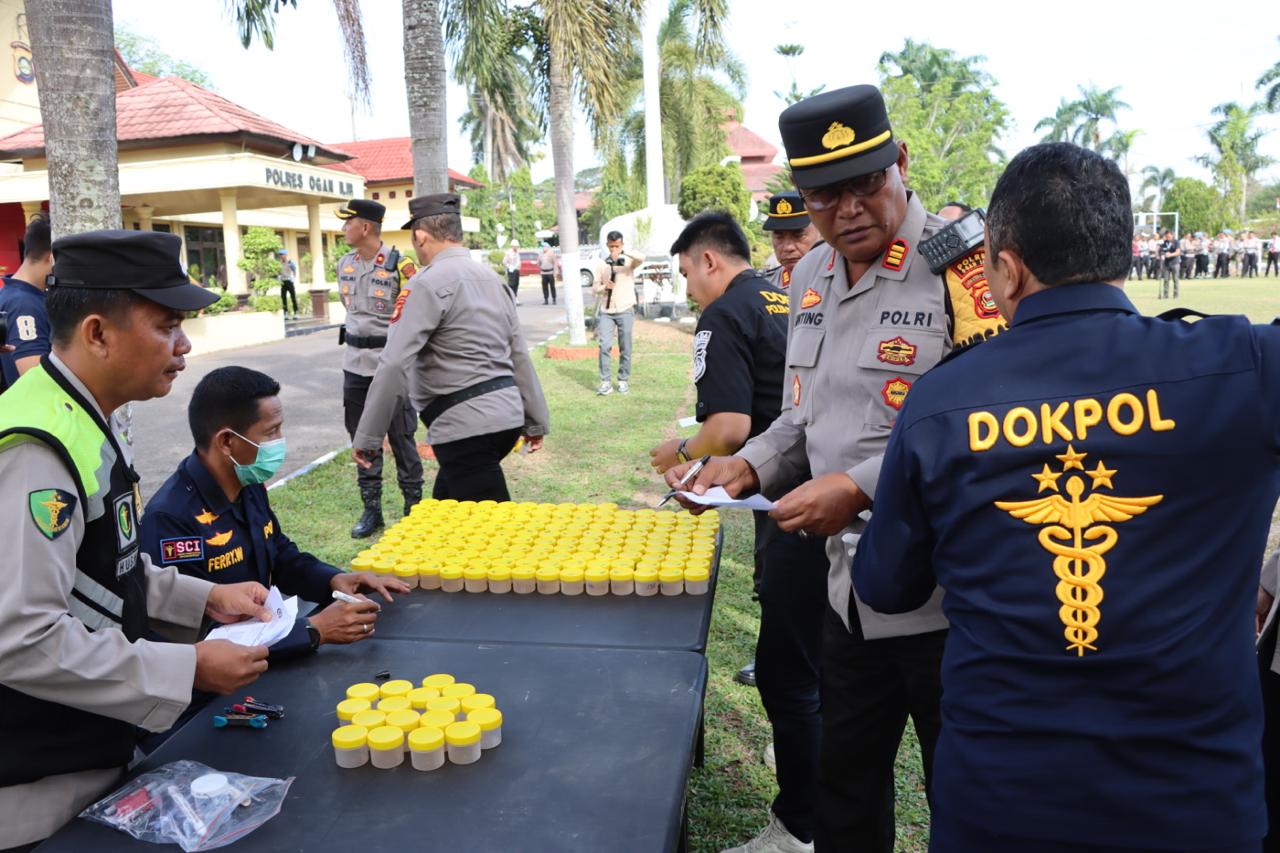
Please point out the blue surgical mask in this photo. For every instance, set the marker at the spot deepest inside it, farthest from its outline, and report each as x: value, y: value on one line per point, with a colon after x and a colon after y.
x: 264, y: 466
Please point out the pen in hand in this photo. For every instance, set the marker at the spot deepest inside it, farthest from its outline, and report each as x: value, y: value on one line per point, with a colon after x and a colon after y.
x: 689, y: 475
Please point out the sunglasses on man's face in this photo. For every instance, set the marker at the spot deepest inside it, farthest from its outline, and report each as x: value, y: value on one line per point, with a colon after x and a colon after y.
x: 828, y: 196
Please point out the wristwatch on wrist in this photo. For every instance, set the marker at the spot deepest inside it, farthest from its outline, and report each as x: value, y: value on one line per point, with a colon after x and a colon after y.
x: 680, y: 451
x: 314, y: 633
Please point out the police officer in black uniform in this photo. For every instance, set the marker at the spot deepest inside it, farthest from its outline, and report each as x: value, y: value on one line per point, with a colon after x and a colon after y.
x: 371, y: 279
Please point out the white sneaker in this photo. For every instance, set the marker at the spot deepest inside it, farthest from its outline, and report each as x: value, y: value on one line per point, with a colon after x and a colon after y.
x: 604, y: 390
x: 770, y: 758
x: 623, y: 387
x: 773, y: 839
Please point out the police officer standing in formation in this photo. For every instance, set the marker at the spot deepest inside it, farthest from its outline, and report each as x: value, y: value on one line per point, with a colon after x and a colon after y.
x: 869, y: 317
x: 1093, y: 491
x: 1268, y: 624
x: 792, y: 235
x: 459, y: 351
x: 22, y: 301
x: 370, y: 281
x: 76, y: 676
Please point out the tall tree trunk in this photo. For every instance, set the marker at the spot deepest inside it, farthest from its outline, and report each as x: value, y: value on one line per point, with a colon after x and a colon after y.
x: 72, y: 45
x: 560, y: 114
x: 424, y: 79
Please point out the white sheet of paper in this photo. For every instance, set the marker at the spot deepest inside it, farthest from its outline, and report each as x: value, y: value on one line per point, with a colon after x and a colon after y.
x: 716, y: 496
x: 685, y: 423
x: 255, y: 633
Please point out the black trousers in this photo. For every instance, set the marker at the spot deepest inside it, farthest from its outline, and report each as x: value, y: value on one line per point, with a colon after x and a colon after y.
x: 1223, y: 267
x: 1273, y: 260
x: 513, y: 281
x: 548, y: 286
x: 1250, y: 265
x: 355, y: 390
x: 869, y: 688
x: 286, y: 293
x: 1271, y: 739
x: 793, y: 598
x: 471, y: 468
x: 1202, y: 265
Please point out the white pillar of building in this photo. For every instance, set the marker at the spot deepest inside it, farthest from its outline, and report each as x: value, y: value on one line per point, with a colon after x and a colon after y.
x: 291, y: 244
x: 145, y: 212
x: 316, y: 240
x: 236, y: 283
x: 654, y: 177
x: 180, y: 231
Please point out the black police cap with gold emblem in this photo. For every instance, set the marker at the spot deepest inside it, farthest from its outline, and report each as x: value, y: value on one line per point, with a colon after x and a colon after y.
x: 432, y: 205
x: 362, y: 208
x: 146, y: 262
x: 787, y: 213
x: 837, y: 135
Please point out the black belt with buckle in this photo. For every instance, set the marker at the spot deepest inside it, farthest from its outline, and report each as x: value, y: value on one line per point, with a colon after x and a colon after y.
x: 366, y: 341
x: 440, y: 405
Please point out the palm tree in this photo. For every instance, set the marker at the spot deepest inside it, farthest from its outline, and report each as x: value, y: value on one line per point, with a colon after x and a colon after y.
x: 501, y: 137
x: 1118, y: 145
x: 1236, y: 144
x: 1271, y: 78
x: 255, y: 19
x: 72, y: 46
x: 929, y: 65
x: 1060, y: 123
x: 1094, y: 107
x: 1159, y: 181
x: 795, y: 95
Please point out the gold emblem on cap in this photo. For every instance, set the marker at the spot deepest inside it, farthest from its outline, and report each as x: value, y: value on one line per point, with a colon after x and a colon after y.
x: 784, y: 207
x: 837, y: 136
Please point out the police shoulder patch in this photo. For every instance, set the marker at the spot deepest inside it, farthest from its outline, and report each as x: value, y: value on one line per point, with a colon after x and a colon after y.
x: 51, y: 510
x: 400, y: 300
x: 700, y: 342
x: 408, y: 269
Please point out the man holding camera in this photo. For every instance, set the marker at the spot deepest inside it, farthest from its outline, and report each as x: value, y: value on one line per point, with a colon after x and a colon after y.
x: 615, y: 286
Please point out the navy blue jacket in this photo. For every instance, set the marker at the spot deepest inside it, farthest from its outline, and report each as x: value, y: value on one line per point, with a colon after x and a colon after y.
x: 27, y: 325
x: 190, y: 524
x: 1093, y: 490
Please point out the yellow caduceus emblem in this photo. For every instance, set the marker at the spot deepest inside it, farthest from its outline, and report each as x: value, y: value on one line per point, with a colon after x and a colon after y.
x: 837, y: 136
x: 1072, y: 523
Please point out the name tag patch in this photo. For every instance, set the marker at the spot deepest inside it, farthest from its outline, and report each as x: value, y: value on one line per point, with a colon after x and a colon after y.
x: 182, y: 549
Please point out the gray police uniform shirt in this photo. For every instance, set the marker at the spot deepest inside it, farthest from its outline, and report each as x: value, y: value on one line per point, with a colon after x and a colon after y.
x: 455, y: 327
x: 368, y: 291
x: 47, y: 653
x: 892, y: 325
x: 1270, y: 581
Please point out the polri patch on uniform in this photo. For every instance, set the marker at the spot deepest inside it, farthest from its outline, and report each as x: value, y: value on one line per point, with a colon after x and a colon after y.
x: 51, y: 510
x: 895, y: 391
x: 217, y: 540
x: 970, y: 273
x: 897, y: 351
x: 181, y: 549
x: 408, y: 269
x: 379, y: 293
x: 700, y: 343
x: 795, y: 390
x: 382, y: 274
x: 896, y: 255
x: 400, y: 300
x: 811, y: 298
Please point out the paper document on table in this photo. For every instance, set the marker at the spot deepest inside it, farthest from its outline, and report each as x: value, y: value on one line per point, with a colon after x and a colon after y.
x: 716, y: 496
x: 256, y: 633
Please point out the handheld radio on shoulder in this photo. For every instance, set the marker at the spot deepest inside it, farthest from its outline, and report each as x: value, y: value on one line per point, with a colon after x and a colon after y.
x: 955, y: 241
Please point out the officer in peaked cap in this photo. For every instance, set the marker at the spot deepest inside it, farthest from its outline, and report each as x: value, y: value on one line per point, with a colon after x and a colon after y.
x: 868, y: 316
x: 370, y: 280
x: 792, y: 234
x: 77, y: 674
x: 459, y: 355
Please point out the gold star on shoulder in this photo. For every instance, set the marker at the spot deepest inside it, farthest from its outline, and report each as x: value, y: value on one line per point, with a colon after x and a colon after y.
x: 1048, y: 479
x: 1102, y: 476
x: 1071, y: 459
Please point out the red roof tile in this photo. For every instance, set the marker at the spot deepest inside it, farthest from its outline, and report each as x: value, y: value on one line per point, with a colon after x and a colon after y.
x: 758, y: 175
x: 380, y: 160
x: 747, y: 144
x: 172, y: 109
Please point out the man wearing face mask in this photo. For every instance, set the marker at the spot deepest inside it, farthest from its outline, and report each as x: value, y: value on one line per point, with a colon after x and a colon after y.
x: 212, y: 519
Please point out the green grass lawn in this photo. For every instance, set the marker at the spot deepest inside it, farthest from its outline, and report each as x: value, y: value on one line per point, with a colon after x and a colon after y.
x: 598, y: 451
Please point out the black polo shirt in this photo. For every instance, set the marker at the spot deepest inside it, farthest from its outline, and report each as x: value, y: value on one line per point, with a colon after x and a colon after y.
x: 739, y: 351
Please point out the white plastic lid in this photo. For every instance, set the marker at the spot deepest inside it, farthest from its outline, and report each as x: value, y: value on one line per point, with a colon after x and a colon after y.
x: 209, y: 785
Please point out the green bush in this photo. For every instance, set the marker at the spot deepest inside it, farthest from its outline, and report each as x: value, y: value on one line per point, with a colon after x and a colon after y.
x: 261, y: 259
x: 226, y: 302
x: 266, y: 302
x: 715, y: 188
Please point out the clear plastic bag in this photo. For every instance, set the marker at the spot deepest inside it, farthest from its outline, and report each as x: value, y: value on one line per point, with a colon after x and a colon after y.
x: 190, y: 804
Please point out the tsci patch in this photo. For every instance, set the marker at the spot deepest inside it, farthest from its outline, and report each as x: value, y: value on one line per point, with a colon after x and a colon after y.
x: 181, y: 549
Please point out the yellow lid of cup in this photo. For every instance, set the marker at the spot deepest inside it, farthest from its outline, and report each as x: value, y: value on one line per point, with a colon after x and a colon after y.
x: 383, y: 566
x: 572, y: 575
x: 407, y: 720
x: 436, y: 719
x: 476, y: 701
x: 394, y: 703
x: 364, y: 690
x: 487, y: 719
x: 418, y: 697
x: 385, y: 738
x: 448, y: 704
x: 350, y: 737
x: 369, y: 719
x: 438, y: 680
x: 500, y: 573
x: 462, y: 733
x: 406, y: 570
x: 621, y: 573
x: 697, y: 575
x: 670, y: 575
x: 475, y: 573
x: 361, y: 563
x: 426, y: 739
x: 548, y: 573
x: 395, y: 687
x: 458, y: 690
x: 452, y: 573
x: 348, y: 708
x: 596, y: 575
x: 428, y: 570
x: 646, y: 575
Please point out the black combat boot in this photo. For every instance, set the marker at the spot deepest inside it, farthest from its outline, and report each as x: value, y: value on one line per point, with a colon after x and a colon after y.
x: 372, y: 518
x: 412, y: 495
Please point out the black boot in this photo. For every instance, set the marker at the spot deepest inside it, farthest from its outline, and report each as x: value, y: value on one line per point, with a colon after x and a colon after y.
x: 412, y: 495
x: 372, y: 518
x: 746, y: 675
